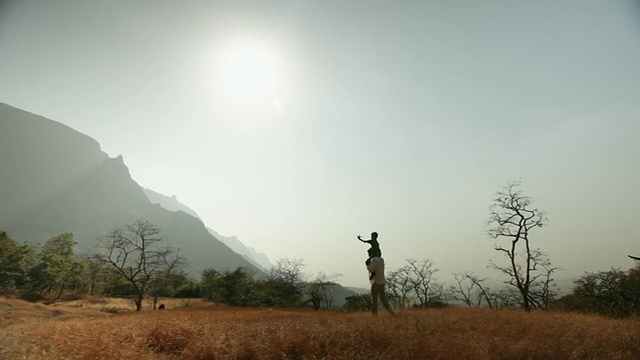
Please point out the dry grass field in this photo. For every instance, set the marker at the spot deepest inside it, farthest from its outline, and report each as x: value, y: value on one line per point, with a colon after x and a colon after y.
x: 71, y: 331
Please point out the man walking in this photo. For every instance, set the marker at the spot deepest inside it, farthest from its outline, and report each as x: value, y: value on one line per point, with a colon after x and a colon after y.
x: 375, y: 266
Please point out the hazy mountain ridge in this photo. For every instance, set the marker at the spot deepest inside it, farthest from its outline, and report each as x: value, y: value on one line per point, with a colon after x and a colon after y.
x: 259, y: 259
x: 55, y: 179
x: 358, y: 290
x: 340, y: 293
x: 171, y: 203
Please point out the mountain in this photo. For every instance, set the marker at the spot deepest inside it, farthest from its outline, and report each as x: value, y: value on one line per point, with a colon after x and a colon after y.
x: 340, y: 293
x: 259, y: 259
x: 54, y: 179
x: 358, y: 290
x: 171, y: 203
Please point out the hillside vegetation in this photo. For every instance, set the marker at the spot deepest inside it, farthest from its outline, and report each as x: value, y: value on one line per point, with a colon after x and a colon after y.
x: 210, y: 332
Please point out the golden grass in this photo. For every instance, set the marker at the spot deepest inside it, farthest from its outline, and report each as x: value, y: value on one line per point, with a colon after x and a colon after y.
x: 17, y: 311
x: 201, y: 333
x: 123, y: 305
x: 14, y: 310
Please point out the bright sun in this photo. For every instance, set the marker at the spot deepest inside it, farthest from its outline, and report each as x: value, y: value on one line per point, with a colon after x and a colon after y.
x: 249, y: 75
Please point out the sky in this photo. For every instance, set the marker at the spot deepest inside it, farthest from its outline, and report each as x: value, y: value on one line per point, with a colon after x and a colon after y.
x: 297, y: 125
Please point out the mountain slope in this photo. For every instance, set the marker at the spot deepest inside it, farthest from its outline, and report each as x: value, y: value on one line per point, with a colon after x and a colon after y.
x: 171, y: 203
x: 54, y: 179
x: 259, y: 259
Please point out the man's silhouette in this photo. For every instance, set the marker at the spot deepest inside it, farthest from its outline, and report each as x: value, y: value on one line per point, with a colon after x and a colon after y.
x: 375, y: 266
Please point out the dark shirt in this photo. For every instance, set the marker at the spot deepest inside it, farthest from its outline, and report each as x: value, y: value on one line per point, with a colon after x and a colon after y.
x: 375, y: 247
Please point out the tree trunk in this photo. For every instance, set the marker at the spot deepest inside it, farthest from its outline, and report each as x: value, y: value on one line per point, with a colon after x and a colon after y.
x: 92, y: 285
x: 59, y: 292
x: 138, y: 302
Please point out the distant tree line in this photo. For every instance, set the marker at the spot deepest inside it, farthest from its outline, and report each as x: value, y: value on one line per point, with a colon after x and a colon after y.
x: 133, y: 262
x: 613, y: 293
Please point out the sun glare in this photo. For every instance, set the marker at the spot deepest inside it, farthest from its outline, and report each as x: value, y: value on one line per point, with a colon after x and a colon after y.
x: 249, y: 75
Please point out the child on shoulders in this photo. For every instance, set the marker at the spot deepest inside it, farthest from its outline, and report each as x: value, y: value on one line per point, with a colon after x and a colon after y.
x: 375, y: 246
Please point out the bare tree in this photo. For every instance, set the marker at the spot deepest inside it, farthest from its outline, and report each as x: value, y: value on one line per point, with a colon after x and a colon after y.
x: 315, y: 295
x: 474, y: 293
x: 134, y: 254
x: 463, y: 291
x: 470, y: 290
x: 415, y: 284
x: 322, y: 290
x: 543, y: 285
x: 422, y: 281
x: 506, y: 298
x: 513, y: 217
x: 288, y: 270
x: 482, y: 291
x: 170, y: 270
x: 286, y: 281
x: 399, y: 285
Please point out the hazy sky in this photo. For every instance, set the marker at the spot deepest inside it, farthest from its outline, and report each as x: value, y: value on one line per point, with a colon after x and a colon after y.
x: 402, y: 117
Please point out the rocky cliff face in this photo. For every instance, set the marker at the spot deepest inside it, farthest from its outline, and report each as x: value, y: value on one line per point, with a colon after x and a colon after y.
x: 54, y: 179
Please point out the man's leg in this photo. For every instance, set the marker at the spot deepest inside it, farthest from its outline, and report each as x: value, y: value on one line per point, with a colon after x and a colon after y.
x: 385, y: 302
x: 374, y: 298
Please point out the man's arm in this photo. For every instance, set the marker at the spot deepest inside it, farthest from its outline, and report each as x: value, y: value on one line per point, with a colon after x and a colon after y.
x: 373, y: 267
